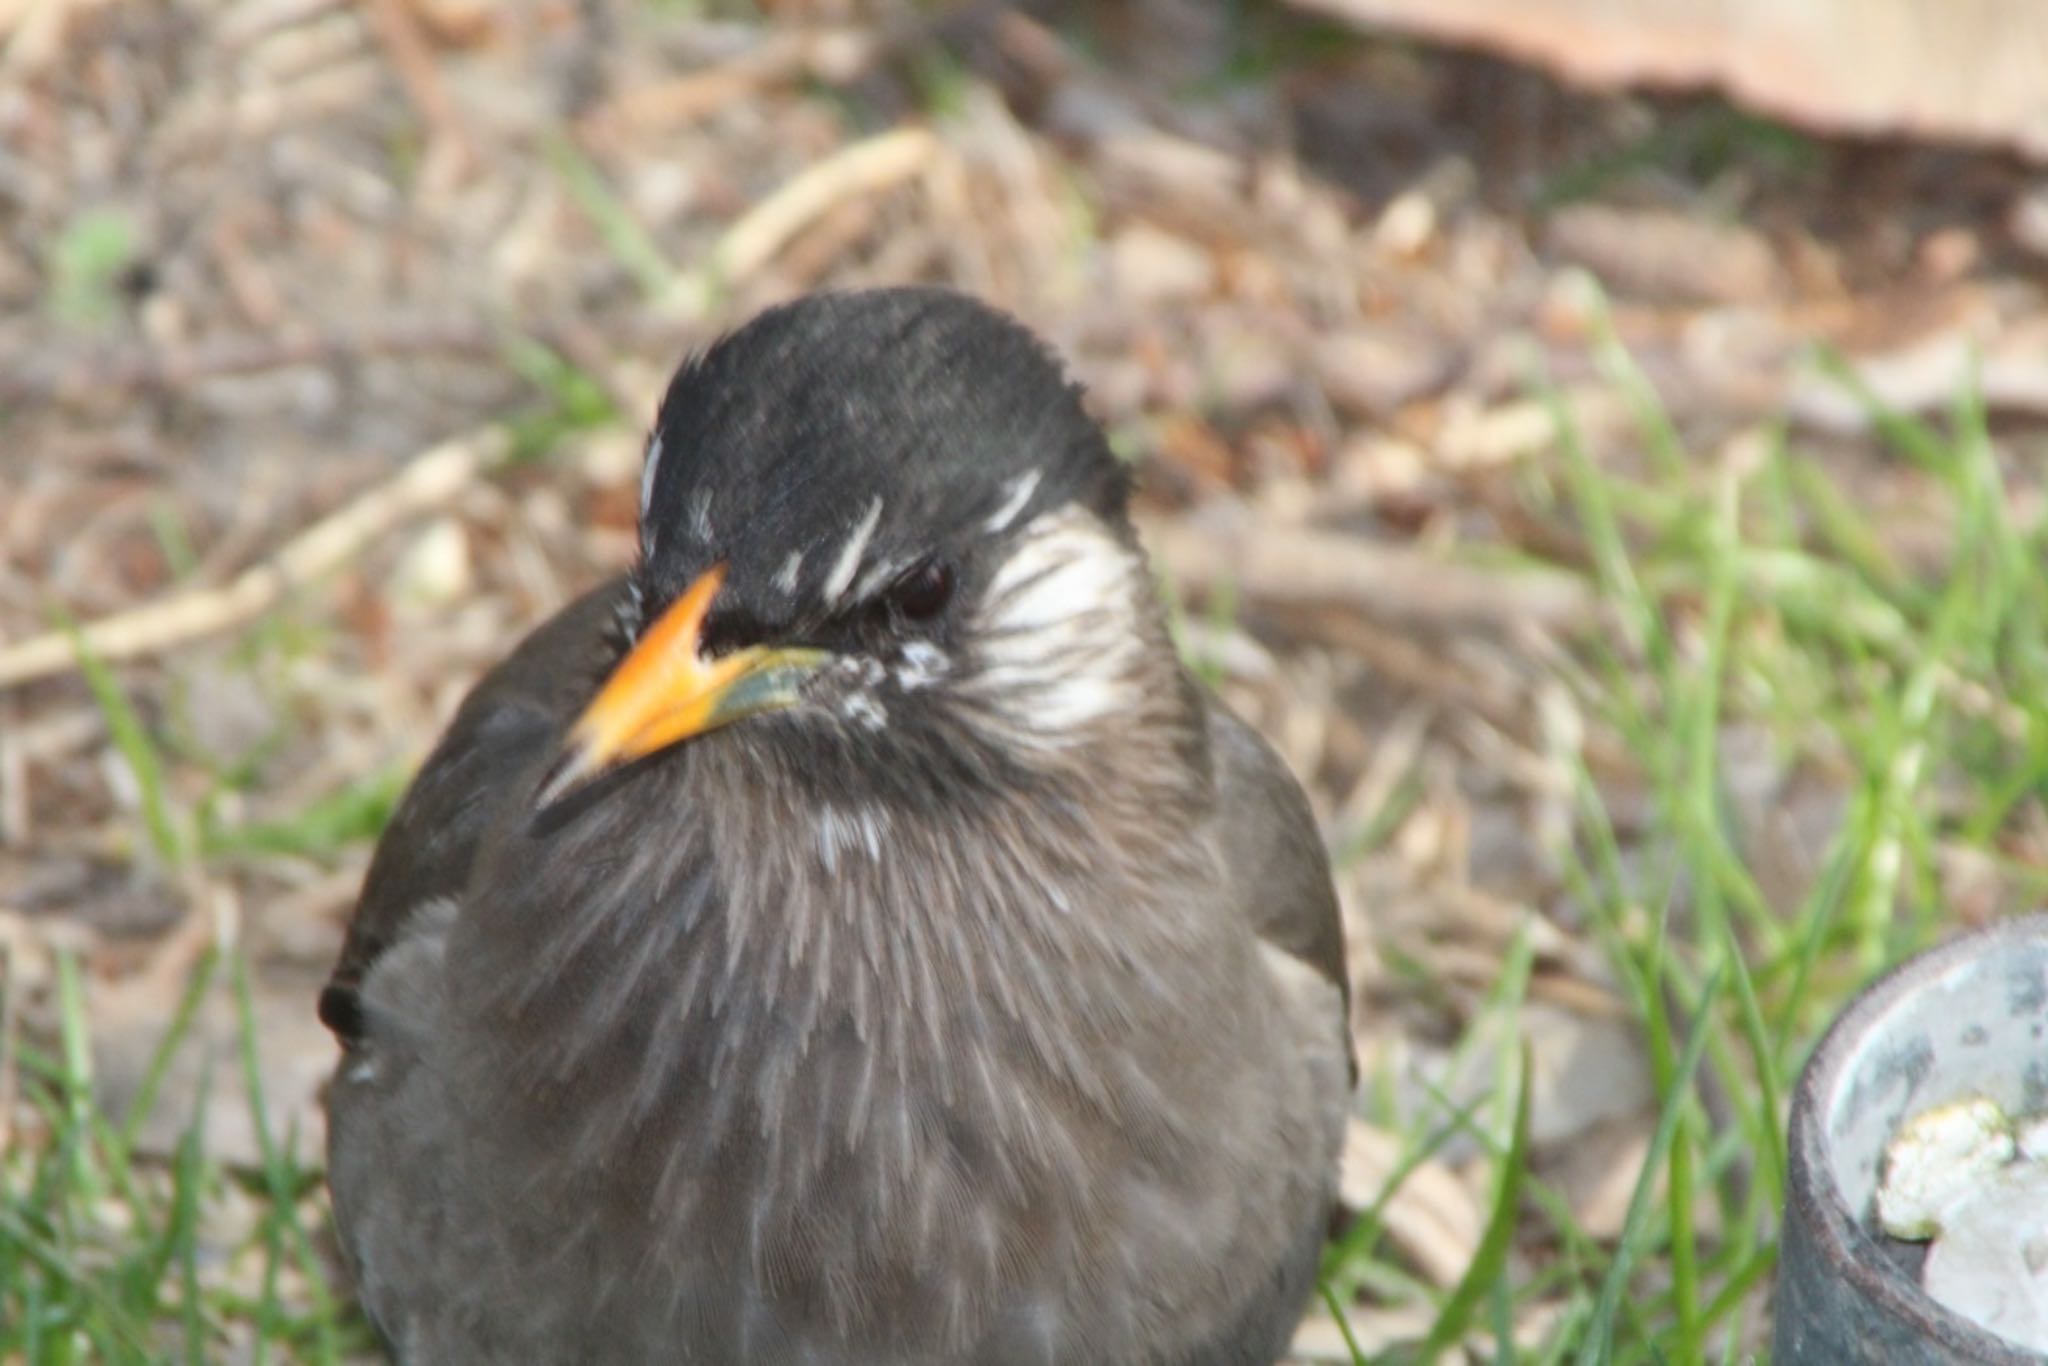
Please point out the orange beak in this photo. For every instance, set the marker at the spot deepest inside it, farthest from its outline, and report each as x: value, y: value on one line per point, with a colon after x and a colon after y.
x: 665, y: 691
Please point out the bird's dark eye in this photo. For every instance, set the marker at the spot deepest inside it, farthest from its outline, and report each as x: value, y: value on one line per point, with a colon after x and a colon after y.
x: 924, y: 592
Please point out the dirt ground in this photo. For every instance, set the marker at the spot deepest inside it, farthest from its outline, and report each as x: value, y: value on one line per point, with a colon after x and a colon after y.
x: 329, y: 334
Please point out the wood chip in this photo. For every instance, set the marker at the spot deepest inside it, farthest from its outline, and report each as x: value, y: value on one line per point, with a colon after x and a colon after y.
x: 1432, y: 1218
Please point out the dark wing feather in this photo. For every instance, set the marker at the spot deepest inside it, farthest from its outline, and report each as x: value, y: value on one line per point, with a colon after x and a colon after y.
x: 515, y: 714
x: 1276, y: 858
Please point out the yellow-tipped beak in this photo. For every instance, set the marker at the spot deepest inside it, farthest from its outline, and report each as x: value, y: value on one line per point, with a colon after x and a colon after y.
x: 664, y: 691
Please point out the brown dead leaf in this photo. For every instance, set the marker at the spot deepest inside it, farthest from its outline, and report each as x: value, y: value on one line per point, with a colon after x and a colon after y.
x: 1967, y: 69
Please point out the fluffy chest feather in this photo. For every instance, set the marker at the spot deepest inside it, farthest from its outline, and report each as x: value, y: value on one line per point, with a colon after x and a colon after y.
x: 885, y: 1075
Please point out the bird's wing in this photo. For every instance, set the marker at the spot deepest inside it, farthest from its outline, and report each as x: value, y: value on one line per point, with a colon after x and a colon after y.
x: 514, y: 715
x: 1274, y: 856
x: 416, y: 1241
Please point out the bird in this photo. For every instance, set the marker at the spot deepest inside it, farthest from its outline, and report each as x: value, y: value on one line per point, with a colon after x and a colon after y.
x: 851, y: 934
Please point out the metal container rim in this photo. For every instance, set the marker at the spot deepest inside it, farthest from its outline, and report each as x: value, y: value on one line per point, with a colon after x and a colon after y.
x: 1814, y: 1197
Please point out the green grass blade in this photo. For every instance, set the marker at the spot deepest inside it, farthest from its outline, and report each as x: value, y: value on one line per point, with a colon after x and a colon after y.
x: 1598, y: 1348
x: 630, y: 244
x: 1336, y: 1307
x: 160, y: 1057
x: 132, y: 740
x: 1489, y: 1260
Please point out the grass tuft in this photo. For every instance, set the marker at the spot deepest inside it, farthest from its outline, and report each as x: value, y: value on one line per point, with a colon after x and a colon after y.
x: 110, y: 1257
x: 1758, y: 594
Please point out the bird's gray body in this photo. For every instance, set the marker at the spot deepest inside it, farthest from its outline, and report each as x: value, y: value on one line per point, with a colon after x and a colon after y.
x: 1033, y: 1056
x: 467, y: 1217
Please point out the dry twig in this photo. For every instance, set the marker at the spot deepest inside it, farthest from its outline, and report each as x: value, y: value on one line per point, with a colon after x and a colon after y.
x: 829, y: 54
x: 81, y: 377
x: 427, y: 481
x: 76, y: 377
x: 866, y: 167
x: 400, y: 35
x: 1290, y: 566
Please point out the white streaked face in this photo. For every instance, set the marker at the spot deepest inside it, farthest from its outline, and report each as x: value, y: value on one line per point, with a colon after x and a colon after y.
x: 1049, y: 650
x: 1055, y: 644
x: 888, y: 518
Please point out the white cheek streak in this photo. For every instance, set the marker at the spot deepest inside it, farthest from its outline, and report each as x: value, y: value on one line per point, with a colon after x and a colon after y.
x: 785, y: 577
x: 854, y: 680
x: 700, y: 515
x: 877, y: 575
x: 922, y: 664
x: 864, y: 710
x: 1060, y: 647
x: 648, y: 467
x: 837, y: 582
x: 1018, y: 494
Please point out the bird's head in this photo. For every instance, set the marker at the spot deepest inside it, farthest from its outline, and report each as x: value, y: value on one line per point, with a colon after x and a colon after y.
x: 885, y: 518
